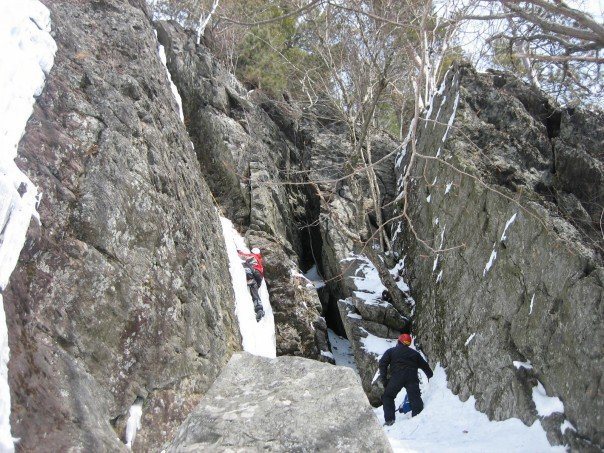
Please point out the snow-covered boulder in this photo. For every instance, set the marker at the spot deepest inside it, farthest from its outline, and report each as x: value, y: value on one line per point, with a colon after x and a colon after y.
x: 282, y: 404
x: 368, y: 341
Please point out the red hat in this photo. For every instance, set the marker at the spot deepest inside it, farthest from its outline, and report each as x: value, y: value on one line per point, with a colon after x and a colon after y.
x: 405, y: 338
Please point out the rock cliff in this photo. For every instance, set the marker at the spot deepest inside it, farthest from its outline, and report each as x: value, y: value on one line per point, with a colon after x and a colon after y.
x: 508, y: 190
x: 120, y: 292
x: 277, y: 171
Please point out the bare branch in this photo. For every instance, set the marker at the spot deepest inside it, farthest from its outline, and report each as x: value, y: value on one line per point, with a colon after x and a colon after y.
x: 554, y: 27
x: 560, y: 58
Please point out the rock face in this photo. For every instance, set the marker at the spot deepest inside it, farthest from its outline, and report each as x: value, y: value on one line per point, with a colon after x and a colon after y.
x: 282, y: 404
x: 119, y: 293
x: 273, y: 169
x: 120, y: 296
x: 523, y: 279
x: 247, y: 160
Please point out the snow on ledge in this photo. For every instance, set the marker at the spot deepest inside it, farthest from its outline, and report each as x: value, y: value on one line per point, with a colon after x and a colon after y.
x: 376, y: 345
x: 314, y: 277
x: 566, y: 425
x: 526, y: 365
x: 507, y: 225
x: 134, y: 423
x: 546, y: 405
x: 489, y: 264
x: 162, y: 56
x: 470, y: 338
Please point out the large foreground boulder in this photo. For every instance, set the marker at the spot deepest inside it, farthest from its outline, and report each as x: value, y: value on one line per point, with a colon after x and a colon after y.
x: 282, y: 404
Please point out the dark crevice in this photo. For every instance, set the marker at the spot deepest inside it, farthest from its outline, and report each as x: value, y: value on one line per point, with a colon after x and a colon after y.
x: 312, y: 254
x: 552, y: 123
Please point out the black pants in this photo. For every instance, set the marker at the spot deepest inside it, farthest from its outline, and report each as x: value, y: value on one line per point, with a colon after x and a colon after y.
x: 408, y: 379
x: 254, y: 280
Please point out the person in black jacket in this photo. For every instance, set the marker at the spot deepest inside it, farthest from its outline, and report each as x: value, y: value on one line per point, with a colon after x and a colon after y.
x: 404, y: 363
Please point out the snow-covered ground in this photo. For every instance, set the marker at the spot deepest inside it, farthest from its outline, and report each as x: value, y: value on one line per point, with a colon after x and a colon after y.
x: 449, y: 425
x: 26, y: 56
x: 314, y: 277
x: 446, y: 424
x: 258, y: 337
x: 342, y: 352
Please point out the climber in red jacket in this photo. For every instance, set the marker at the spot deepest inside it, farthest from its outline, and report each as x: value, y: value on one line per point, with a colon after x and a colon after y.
x: 254, y: 272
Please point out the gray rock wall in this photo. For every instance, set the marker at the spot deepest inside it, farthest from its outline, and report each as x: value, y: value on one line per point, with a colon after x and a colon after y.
x: 253, y: 152
x: 540, y: 298
x: 120, y: 292
x: 282, y: 404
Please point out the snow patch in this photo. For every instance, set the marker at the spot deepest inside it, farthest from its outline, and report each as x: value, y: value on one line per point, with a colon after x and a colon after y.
x: 175, y: 93
x: 369, y: 287
x: 314, y: 277
x: 448, y: 188
x: 399, y: 230
x: 342, y: 351
x: 507, y: 225
x: 532, y: 302
x: 470, y: 338
x: 439, y: 277
x: 452, y: 117
x: 403, y: 151
x: 429, y: 198
x: 327, y: 354
x: 519, y: 365
x: 567, y: 425
x: 489, y: 264
x: 134, y: 423
x: 376, y: 345
x: 546, y: 405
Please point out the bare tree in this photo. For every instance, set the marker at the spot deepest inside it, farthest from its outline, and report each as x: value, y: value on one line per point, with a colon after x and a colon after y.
x: 204, y: 19
x: 556, y: 46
